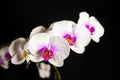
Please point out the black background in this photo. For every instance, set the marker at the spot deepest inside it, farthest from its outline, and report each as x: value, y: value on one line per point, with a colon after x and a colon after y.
x: 99, y: 62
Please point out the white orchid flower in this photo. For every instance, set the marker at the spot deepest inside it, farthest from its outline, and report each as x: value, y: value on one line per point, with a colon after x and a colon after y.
x: 44, y: 46
x: 77, y: 36
x: 92, y: 24
x: 4, y: 57
x: 18, y: 51
x: 19, y: 47
x: 43, y: 70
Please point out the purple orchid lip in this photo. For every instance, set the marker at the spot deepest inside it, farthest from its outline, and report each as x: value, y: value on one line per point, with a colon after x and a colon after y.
x: 71, y: 40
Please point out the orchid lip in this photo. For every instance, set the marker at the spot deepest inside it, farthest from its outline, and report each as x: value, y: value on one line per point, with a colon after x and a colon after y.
x: 71, y: 39
x: 46, y: 53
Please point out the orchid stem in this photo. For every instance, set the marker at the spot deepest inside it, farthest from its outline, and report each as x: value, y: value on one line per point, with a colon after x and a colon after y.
x: 28, y: 64
x: 57, y: 74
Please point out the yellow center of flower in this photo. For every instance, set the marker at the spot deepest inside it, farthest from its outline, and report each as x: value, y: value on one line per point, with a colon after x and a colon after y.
x: 70, y: 41
x: 25, y: 54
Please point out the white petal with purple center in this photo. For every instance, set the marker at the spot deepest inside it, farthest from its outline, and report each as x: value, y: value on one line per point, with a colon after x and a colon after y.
x: 99, y: 30
x: 37, y: 42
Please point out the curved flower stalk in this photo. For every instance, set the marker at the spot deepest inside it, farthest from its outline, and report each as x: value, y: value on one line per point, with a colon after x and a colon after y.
x: 43, y: 69
x: 77, y: 36
x: 19, y: 47
x: 4, y: 57
x: 92, y: 24
x: 46, y: 47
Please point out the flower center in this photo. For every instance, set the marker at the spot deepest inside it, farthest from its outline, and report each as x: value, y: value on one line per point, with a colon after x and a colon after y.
x: 46, y: 53
x: 71, y: 39
x: 90, y: 28
x: 25, y: 54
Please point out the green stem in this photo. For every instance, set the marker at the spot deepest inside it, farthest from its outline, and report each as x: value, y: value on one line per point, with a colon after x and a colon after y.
x: 57, y: 74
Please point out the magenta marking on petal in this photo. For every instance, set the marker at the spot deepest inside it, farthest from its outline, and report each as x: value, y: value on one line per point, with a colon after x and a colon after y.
x: 92, y: 29
x: 66, y: 36
x: 74, y: 38
x: 53, y: 48
x: 1, y: 61
x: 7, y: 55
x: 71, y: 39
x: 43, y: 49
x: 87, y: 26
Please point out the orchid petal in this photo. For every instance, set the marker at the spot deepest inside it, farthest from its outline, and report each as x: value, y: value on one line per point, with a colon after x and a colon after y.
x: 61, y: 50
x: 78, y: 50
x: 83, y: 17
x: 5, y: 63
x: 44, y: 70
x: 61, y: 47
x: 57, y: 61
x: 16, y: 51
x: 37, y: 42
x: 17, y: 60
x: 3, y: 51
x: 36, y: 58
x: 62, y: 27
x: 37, y: 30
x: 99, y: 30
x: 83, y: 38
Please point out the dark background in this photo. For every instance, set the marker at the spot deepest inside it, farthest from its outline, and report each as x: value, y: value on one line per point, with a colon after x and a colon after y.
x: 99, y: 62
